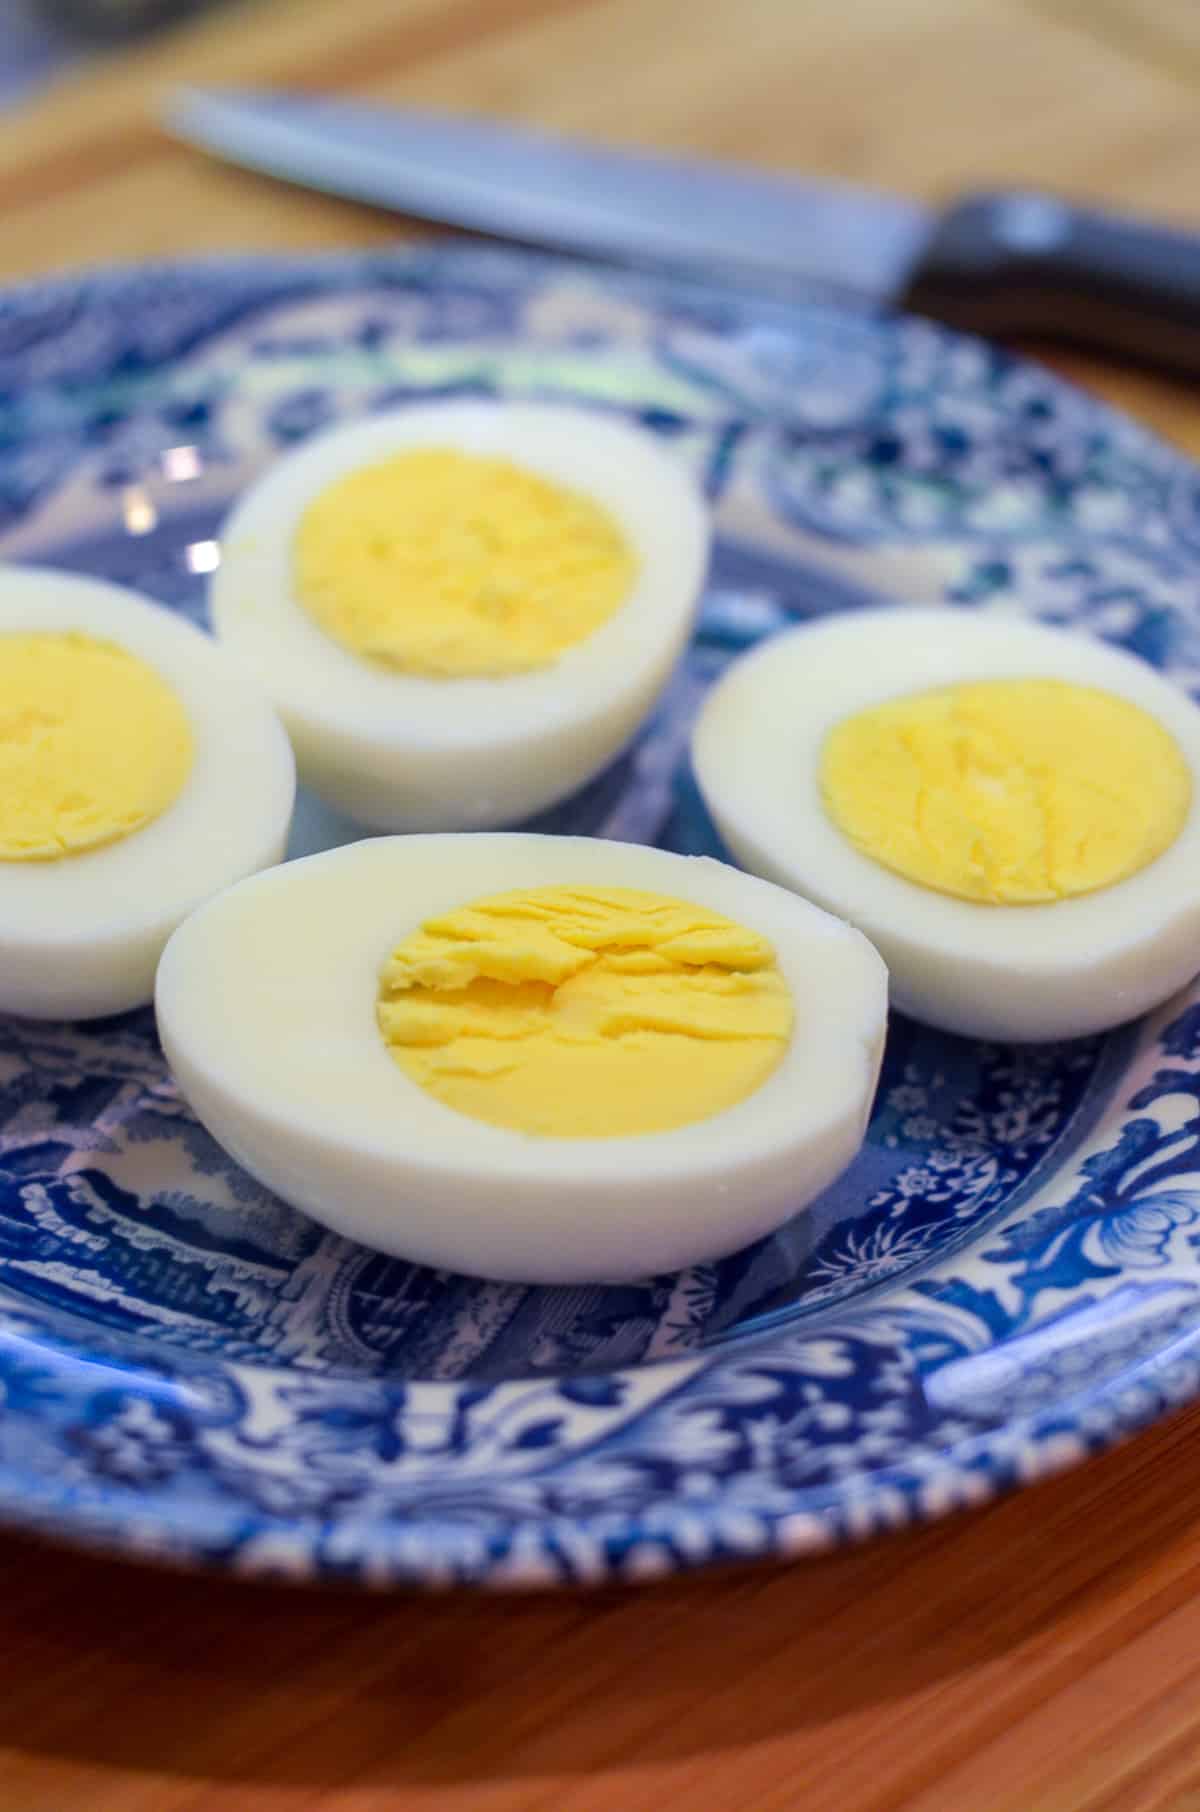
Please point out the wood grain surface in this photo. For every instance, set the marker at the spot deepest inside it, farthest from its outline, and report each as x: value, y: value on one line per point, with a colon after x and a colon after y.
x: 1043, y: 1656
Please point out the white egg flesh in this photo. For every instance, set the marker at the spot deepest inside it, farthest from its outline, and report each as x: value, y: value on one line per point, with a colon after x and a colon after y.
x: 524, y: 1057
x: 462, y: 611
x: 140, y: 772
x: 1010, y: 812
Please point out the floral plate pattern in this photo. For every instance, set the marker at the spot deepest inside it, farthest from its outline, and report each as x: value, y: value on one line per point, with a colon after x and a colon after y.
x: 1006, y: 1279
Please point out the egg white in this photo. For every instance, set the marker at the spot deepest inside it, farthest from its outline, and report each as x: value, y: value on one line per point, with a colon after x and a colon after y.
x: 81, y: 936
x: 1009, y: 972
x: 401, y: 751
x: 266, y: 1006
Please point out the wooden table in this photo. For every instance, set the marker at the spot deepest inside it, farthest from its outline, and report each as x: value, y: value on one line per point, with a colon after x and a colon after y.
x: 1041, y: 1657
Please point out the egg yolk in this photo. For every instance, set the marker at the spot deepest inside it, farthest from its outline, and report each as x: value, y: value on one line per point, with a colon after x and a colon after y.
x: 585, y: 1012
x: 451, y: 565
x: 1007, y: 791
x: 93, y: 744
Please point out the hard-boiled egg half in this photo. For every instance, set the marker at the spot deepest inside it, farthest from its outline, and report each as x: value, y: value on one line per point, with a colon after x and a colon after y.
x: 139, y: 773
x: 538, y: 1058
x: 1009, y: 812
x: 462, y: 610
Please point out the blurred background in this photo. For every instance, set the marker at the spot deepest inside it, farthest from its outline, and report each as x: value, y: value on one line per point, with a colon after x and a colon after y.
x: 1096, y: 98
x: 40, y: 38
x: 925, y: 96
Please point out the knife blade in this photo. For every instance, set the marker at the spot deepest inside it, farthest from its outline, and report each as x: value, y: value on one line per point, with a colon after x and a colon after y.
x: 1007, y: 263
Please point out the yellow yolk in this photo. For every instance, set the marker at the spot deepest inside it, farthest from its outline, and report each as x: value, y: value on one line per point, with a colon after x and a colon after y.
x: 1007, y: 792
x: 449, y: 565
x: 93, y: 744
x: 585, y: 1012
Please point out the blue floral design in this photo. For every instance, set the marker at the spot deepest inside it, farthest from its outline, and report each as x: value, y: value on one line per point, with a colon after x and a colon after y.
x: 1132, y: 1198
x: 131, y: 1440
x: 1007, y: 1278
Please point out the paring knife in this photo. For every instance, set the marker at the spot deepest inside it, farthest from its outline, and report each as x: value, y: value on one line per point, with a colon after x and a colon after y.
x: 1003, y: 263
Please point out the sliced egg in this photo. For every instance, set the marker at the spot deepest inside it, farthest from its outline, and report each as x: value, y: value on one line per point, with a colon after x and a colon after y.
x: 463, y: 610
x: 1010, y: 812
x: 535, y: 1058
x: 140, y: 771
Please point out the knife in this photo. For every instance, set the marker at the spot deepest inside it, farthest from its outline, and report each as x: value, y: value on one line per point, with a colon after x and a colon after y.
x: 1004, y: 263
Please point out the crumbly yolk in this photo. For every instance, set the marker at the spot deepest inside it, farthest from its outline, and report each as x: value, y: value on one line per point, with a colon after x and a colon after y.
x: 585, y: 1012
x: 450, y: 565
x: 1008, y: 792
x: 93, y: 744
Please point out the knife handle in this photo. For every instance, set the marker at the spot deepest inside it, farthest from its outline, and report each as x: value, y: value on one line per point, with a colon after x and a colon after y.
x: 1030, y: 264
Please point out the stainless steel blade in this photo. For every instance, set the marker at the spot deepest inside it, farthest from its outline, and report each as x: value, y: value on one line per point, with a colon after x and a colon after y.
x: 707, y: 218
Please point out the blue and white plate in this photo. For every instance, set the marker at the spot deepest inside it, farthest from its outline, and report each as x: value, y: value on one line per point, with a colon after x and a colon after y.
x: 1009, y: 1275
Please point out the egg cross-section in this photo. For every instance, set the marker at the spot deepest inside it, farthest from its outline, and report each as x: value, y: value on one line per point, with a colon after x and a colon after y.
x: 140, y: 772
x: 1010, y: 812
x: 463, y: 610
x: 549, y: 1059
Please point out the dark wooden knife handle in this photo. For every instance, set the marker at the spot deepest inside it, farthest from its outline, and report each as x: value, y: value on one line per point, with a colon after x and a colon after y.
x: 1033, y: 265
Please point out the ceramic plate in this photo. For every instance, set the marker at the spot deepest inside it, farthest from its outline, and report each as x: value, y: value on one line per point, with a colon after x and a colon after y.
x: 1009, y: 1275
